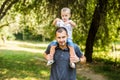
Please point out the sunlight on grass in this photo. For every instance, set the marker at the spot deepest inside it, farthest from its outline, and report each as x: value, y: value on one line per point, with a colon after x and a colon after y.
x: 27, y: 78
x: 24, y: 46
x: 107, y: 63
x: 3, y: 71
x: 18, y: 61
x: 21, y: 65
x: 45, y: 73
x: 111, y: 56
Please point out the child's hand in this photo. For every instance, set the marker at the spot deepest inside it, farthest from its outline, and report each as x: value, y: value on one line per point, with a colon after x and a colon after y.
x: 57, y: 19
x: 72, y: 23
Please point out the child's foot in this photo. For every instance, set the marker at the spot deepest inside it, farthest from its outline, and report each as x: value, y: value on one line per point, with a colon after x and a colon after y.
x: 72, y: 65
x: 50, y: 62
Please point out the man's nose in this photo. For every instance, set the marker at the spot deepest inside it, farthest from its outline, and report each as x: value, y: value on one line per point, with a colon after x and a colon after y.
x: 61, y: 39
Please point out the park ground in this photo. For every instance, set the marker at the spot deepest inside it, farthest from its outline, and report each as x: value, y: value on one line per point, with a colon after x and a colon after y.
x: 82, y: 70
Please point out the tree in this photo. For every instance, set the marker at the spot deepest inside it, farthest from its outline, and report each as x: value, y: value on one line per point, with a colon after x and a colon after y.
x: 95, y: 20
x: 97, y: 17
x: 4, y: 9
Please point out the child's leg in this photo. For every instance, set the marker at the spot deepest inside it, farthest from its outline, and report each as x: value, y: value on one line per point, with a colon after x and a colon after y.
x: 52, y: 52
x: 72, y: 51
x: 52, y: 48
x: 71, y: 47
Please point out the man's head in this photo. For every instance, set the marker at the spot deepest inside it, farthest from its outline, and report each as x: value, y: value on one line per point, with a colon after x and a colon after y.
x: 61, y: 36
x: 65, y: 14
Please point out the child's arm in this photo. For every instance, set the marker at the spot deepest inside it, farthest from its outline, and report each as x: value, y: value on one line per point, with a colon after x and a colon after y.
x: 72, y: 23
x: 54, y: 22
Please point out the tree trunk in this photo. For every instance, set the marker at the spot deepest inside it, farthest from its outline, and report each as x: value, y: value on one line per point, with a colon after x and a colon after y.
x: 100, y: 9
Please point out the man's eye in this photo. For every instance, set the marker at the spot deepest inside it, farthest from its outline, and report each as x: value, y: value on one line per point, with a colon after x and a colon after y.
x: 63, y: 37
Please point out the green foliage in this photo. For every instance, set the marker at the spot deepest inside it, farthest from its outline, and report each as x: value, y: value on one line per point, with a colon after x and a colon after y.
x: 33, y: 19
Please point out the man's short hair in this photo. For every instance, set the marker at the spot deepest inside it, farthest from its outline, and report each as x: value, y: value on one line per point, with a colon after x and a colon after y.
x: 61, y: 29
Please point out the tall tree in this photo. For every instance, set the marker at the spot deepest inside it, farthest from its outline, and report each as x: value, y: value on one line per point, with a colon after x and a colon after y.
x: 97, y: 17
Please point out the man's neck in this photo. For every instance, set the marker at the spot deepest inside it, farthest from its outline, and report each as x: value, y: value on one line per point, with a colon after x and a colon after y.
x: 63, y: 47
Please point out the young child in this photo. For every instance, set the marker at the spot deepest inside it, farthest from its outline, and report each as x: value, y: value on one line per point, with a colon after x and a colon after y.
x: 68, y: 24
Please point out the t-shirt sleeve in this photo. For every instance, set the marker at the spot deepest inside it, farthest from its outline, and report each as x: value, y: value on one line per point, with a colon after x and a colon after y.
x: 78, y: 51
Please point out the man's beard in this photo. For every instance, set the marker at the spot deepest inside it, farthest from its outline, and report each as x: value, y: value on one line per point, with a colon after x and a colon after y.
x: 62, y: 44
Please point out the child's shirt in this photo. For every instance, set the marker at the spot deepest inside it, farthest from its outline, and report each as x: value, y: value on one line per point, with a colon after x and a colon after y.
x: 69, y: 27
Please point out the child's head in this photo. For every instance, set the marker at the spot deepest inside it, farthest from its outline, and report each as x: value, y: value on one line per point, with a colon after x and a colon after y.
x: 65, y: 14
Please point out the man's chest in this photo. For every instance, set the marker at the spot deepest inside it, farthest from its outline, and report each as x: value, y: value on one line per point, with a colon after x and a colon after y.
x: 61, y: 55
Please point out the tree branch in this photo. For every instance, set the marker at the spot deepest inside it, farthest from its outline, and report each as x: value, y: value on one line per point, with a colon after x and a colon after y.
x: 3, y: 5
x: 3, y: 13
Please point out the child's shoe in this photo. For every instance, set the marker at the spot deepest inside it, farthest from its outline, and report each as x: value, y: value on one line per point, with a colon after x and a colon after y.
x: 72, y: 65
x: 50, y: 62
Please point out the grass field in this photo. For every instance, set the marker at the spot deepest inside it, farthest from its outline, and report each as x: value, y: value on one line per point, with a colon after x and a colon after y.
x: 19, y: 61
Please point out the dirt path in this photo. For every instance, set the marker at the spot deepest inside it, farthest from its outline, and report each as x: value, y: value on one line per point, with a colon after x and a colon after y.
x: 84, y: 70
x: 89, y: 74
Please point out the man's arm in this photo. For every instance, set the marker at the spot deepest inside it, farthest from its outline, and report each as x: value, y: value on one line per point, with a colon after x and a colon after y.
x: 48, y: 56
x: 82, y: 59
x: 79, y: 56
x: 77, y: 59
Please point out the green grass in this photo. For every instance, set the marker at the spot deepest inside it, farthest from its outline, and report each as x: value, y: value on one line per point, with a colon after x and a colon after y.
x: 22, y: 65
x: 109, y: 70
x: 18, y: 64
x: 107, y: 65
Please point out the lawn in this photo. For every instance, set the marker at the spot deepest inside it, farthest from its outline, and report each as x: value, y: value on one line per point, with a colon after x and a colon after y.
x: 19, y: 61
x: 24, y: 61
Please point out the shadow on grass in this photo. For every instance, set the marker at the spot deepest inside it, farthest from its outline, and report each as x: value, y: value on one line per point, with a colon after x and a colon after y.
x: 22, y: 65
x: 108, y: 68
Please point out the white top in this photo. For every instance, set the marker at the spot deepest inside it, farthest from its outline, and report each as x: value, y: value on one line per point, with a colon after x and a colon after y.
x: 68, y: 27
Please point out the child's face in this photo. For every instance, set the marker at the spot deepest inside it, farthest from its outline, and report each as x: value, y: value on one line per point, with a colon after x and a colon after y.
x: 65, y: 16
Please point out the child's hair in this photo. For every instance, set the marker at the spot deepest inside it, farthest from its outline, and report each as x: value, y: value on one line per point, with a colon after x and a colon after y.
x: 66, y: 10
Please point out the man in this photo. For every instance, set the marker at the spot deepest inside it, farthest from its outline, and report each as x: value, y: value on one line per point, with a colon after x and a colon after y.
x: 60, y: 69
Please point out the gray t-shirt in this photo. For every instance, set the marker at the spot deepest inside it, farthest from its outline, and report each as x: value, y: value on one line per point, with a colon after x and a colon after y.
x: 60, y: 69
x: 69, y: 27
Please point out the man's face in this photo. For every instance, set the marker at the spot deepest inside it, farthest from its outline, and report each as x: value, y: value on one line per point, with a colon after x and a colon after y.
x: 61, y: 38
x: 65, y: 16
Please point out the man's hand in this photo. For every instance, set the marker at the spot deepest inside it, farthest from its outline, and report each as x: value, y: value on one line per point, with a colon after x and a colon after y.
x: 74, y: 59
x: 49, y: 57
